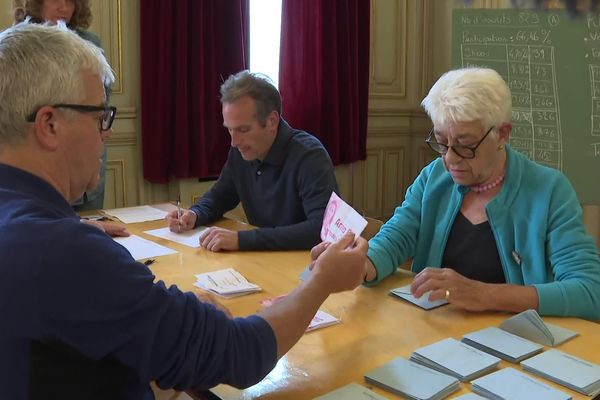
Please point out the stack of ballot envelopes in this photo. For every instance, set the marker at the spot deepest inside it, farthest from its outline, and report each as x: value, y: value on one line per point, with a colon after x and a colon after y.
x: 567, y: 370
x: 455, y: 358
x: 509, y: 383
x: 411, y: 380
x: 502, y: 344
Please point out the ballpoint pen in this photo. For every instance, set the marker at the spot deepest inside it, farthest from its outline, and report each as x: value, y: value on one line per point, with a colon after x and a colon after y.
x: 179, y: 211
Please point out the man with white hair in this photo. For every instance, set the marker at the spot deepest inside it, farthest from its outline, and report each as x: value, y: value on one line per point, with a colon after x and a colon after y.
x: 79, y: 317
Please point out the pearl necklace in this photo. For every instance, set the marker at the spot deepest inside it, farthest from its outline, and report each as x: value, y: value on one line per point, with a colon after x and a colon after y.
x: 488, y: 186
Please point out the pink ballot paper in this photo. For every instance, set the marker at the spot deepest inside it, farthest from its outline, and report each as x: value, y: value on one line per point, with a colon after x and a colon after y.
x: 339, y: 218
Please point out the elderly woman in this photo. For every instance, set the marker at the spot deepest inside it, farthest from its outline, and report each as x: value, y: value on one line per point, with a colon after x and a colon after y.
x: 487, y: 228
x: 77, y: 16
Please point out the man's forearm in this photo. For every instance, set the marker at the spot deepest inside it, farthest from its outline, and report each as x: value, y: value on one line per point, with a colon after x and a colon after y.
x: 290, y: 316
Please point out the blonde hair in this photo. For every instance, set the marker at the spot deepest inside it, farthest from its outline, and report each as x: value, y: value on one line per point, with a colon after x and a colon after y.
x: 81, y: 19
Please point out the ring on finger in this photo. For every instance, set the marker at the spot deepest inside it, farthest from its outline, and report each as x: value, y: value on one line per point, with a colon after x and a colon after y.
x: 447, y: 295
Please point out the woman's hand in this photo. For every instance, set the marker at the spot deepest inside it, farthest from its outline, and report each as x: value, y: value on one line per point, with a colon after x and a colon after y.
x: 446, y: 283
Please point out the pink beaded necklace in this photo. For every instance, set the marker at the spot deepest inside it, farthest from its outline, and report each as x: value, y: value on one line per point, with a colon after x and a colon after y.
x: 488, y: 186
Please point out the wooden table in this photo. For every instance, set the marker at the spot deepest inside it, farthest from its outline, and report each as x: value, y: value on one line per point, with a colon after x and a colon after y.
x: 375, y: 327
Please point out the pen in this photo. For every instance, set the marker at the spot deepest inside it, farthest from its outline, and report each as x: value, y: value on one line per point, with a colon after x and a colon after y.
x: 179, y: 211
x: 149, y: 261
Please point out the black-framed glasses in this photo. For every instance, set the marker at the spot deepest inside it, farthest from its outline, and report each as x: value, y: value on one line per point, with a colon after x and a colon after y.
x: 467, y: 152
x: 105, y: 120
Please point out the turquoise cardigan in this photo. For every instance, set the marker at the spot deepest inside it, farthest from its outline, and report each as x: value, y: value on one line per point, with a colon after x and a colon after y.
x: 536, y: 215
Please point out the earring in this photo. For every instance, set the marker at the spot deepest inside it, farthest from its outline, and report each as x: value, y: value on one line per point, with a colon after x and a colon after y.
x: 500, y: 147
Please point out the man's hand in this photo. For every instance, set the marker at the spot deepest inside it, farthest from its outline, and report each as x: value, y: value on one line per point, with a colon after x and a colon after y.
x: 217, y: 239
x: 316, y: 251
x: 114, y: 230
x: 181, y: 223
x: 109, y: 228
x: 342, y: 265
x: 208, y: 298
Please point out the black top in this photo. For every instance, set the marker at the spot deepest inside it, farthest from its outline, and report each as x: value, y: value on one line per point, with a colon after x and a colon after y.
x: 471, y: 251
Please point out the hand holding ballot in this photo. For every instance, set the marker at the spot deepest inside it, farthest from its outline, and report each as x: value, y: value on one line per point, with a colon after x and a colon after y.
x: 340, y: 218
x: 345, y: 260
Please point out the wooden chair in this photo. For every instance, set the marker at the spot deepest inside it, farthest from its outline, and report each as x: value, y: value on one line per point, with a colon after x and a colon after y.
x: 373, y: 226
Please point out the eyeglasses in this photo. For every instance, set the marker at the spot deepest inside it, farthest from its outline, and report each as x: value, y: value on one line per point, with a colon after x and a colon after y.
x: 105, y: 120
x: 467, y: 152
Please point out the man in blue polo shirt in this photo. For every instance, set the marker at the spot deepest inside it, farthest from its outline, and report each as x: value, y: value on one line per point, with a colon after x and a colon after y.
x: 79, y: 317
x: 282, y: 176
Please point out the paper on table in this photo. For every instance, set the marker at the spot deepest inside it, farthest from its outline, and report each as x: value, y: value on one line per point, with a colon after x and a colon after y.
x: 508, y: 383
x: 502, y: 344
x: 188, y: 238
x: 353, y: 391
x: 131, y: 215
x: 566, y: 369
x: 530, y: 325
x: 339, y: 218
x: 455, y: 358
x: 140, y: 248
x: 410, y: 379
x: 321, y: 319
x: 423, y: 301
x: 226, y: 282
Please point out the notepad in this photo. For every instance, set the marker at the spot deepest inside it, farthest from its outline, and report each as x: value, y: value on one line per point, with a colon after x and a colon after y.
x: 189, y: 238
x: 226, y: 283
x: 353, y: 391
x: 530, y: 325
x: 455, y: 358
x: 502, y: 344
x: 141, y: 248
x: 508, y: 383
x: 407, y: 378
x: 563, y: 368
x: 423, y: 301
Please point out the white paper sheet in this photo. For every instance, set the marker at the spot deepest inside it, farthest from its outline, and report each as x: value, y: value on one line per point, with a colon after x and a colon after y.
x: 226, y: 282
x: 141, y: 248
x: 132, y: 215
x: 189, y: 238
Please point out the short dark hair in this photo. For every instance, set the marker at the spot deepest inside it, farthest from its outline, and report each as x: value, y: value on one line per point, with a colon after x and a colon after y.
x: 257, y: 86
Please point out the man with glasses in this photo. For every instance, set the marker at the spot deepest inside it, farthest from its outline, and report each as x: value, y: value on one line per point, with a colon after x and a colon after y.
x: 79, y: 317
x: 487, y: 228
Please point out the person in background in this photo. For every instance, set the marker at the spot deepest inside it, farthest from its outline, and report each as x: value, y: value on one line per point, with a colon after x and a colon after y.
x: 80, y: 318
x: 486, y: 227
x: 282, y: 176
x: 77, y: 15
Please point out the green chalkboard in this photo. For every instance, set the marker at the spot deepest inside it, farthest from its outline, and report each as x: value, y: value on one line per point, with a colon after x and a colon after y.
x: 552, y: 65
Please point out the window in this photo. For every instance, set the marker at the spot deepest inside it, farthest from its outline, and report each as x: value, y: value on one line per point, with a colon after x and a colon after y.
x: 265, y: 31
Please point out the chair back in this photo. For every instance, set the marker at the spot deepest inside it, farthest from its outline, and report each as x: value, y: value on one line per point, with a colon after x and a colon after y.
x: 373, y: 226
